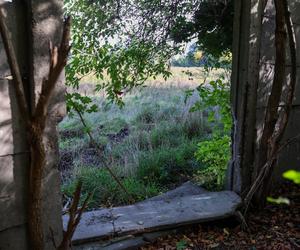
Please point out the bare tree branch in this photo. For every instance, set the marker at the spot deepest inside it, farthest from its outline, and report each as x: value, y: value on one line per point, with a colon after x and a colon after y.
x: 96, y: 146
x: 75, y: 214
x: 58, y: 60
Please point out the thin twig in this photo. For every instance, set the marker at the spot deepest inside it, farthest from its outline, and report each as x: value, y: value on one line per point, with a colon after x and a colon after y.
x: 96, y: 146
x: 58, y: 60
x: 75, y: 213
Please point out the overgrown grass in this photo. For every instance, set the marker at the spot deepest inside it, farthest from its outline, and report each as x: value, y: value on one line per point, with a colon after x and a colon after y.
x: 105, y: 191
x: 150, y: 143
x: 167, y: 165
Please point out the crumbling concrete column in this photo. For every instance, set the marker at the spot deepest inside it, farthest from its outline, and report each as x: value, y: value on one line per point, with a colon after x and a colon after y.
x: 33, y: 24
x: 252, y: 76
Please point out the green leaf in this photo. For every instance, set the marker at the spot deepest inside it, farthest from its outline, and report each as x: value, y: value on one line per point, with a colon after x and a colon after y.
x: 279, y: 200
x: 181, y: 245
x: 293, y: 176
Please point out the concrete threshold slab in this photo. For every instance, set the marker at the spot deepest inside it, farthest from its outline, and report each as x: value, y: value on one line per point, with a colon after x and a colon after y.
x: 167, y: 211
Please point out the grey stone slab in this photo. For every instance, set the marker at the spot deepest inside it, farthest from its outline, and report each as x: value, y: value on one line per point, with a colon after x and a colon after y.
x: 188, y: 188
x: 93, y: 225
x: 155, y: 215
x: 131, y: 244
x: 125, y: 243
x: 122, y: 243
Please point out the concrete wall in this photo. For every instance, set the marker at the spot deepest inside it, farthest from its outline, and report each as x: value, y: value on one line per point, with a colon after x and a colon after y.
x: 32, y: 24
x: 253, y: 71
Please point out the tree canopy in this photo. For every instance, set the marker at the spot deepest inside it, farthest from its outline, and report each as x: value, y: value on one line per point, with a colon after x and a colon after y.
x: 124, y: 42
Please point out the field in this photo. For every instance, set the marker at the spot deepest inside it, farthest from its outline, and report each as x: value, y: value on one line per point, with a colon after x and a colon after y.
x: 150, y: 143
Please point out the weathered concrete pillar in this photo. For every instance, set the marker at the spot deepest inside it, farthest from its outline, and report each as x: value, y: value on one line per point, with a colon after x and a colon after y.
x: 33, y: 24
x: 252, y: 76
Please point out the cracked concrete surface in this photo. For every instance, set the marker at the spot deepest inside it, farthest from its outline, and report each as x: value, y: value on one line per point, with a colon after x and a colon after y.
x: 156, y: 214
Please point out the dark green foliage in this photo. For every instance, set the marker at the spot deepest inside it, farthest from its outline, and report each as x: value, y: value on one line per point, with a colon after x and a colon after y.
x: 165, y: 166
x: 106, y: 44
x: 212, y: 22
x: 80, y: 103
x: 216, y: 94
x: 123, y: 43
x: 166, y: 134
x: 105, y: 190
x: 189, y: 60
x: 214, y: 154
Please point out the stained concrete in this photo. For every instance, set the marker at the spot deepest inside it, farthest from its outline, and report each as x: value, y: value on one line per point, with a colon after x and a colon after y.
x: 186, y: 189
x: 252, y: 77
x: 153, y: 215
x: 32, y: 25
x: 129, y: 242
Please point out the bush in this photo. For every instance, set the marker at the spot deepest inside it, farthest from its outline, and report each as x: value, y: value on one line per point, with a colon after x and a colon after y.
x: 214, y: 154
x: 105, y: 191
x: 165, y: 166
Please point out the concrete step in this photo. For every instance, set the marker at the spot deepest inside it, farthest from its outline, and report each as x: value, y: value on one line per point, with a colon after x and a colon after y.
x: 171, y: 210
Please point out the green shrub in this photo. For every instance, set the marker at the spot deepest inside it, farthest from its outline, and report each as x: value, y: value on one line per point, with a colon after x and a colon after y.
x: 165, y: 166
x: 105, y: 191
x: 214, y: 154
x: 212, y: 95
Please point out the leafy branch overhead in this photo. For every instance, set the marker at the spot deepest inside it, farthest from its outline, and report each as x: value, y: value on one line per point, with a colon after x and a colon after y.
x: 125, y: 42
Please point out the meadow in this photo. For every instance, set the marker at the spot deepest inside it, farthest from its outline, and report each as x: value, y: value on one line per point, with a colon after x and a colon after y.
x: 150, y: 143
